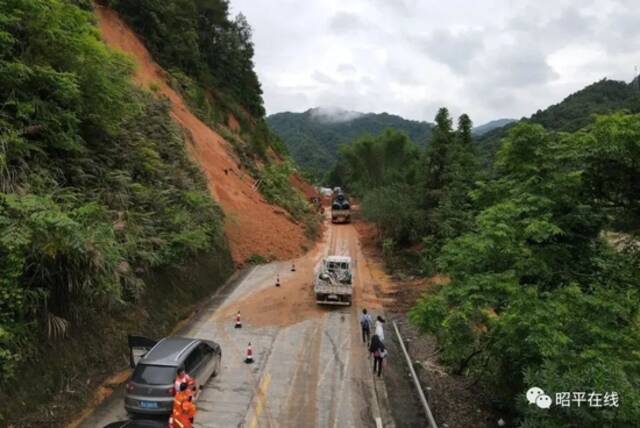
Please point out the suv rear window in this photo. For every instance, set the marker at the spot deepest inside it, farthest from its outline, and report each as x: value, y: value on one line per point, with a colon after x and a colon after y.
x: 154, y: 375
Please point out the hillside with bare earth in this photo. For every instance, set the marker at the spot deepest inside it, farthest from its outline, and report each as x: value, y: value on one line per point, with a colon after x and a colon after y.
x: 121, y: 208
x: 252, y: 225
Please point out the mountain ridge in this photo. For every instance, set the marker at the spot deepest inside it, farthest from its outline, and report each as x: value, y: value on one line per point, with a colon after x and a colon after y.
x: 314, y: 136
x: 573, y: 112
x: 492, y: 124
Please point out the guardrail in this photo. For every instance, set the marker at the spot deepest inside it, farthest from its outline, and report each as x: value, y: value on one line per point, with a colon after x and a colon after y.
x: 416, y: 381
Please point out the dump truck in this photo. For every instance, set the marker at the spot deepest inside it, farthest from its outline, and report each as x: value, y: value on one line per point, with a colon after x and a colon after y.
x: 340, y: 209
x: 333, y: 281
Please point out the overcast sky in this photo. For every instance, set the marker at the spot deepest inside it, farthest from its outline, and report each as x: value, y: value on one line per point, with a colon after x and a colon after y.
x: 489, y: 58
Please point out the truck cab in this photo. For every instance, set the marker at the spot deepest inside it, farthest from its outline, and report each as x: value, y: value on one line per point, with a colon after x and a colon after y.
x: 340, y: 209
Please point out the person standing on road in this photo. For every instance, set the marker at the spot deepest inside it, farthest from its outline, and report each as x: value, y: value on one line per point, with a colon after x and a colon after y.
x: 188, y: 413
x: 365, y: 324
x: 379, y: 328
x: 378, y: 351
x: 183, y: 395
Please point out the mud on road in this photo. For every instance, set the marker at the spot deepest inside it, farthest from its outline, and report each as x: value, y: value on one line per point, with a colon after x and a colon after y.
x: 311, y: 367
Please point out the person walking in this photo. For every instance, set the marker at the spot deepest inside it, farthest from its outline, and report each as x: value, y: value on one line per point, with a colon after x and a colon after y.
x: 379, y: 328
x: 365, y: 324
x: 379, y: 352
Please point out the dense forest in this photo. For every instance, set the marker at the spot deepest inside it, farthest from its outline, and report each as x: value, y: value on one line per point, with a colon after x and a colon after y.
x: 538, y: 293
x: 313, y: 138
x: 199, y: 39
x: 100, y: 206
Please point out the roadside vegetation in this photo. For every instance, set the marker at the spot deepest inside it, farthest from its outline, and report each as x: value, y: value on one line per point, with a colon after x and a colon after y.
x: 96, y: 195
x: 537, y: 296
x: 274, y: 183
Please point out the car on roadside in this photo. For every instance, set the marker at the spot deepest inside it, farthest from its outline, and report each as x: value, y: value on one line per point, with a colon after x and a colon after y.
x: 150, y: 390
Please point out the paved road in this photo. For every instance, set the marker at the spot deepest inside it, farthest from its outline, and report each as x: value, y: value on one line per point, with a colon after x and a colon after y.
x: 310, y: 369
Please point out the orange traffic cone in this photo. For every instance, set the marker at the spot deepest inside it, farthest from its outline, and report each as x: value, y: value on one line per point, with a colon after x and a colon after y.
x: 238, y: 322
x: 293, y: 267
x: 278, y: 280
x: 249, y: 355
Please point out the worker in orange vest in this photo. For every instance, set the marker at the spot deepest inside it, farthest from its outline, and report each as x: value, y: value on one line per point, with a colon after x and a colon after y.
x: 188, y: 412
x: 183, y: 414
x: 183, y: 395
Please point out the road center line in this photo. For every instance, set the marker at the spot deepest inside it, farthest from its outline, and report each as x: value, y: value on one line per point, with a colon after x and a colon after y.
x: 261, y: 398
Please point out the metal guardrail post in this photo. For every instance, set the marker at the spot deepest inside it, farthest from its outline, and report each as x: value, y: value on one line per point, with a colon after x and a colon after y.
x: 416, y: 381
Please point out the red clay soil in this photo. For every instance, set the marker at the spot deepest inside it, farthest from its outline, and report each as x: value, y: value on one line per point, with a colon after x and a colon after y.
x: 252, y: 225
x: 306, y: 188
x: 233, y: 124
x: 398, y: 295
x: 294, y: 301
x: 291, y: 303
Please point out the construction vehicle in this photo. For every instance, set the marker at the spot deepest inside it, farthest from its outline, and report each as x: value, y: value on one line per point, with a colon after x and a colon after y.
x: 333, y: 281
x: 340, y: 209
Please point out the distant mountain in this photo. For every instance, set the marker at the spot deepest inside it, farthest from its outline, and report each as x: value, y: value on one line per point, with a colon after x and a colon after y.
x: 498, y: 123
x: 314, y: 136
x: 575, y: 111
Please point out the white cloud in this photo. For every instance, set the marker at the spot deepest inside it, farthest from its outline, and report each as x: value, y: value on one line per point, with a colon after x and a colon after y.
x: 345, y: 22
x: 490, y: 59
x: 455, y: 49
x: 334, y: 114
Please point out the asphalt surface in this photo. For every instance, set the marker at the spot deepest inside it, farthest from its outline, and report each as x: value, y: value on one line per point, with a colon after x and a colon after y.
x: 311, y: 368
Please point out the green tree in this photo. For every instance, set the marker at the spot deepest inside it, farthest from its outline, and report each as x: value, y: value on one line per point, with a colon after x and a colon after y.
x: 436, y: 163
x: 372, y: 162
x: 395, y: 211
x: 463, y: 133
x: 96, y: 188
x: 382, y: 170
x: 537, y: 297
x: 200, y: 39
x: 448, y: 180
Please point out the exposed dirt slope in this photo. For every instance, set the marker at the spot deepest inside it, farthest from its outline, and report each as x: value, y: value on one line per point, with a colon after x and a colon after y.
x: 252, y: 225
